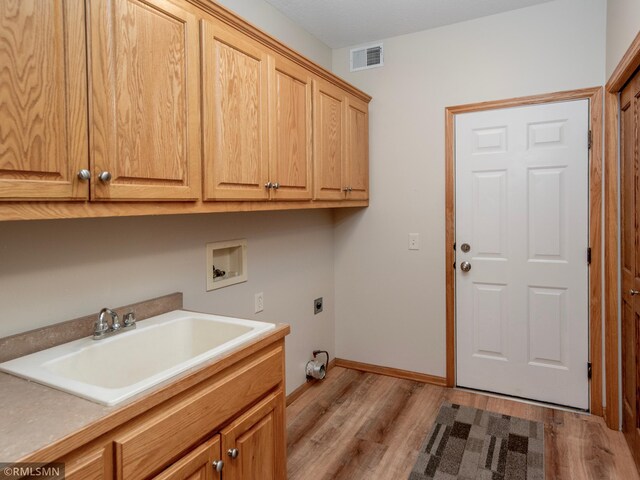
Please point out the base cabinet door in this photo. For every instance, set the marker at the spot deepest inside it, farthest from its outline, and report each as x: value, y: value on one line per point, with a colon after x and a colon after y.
x: 254, y: 444
x: 145, y: 100
x: 43, y: 100
x: 95, y: 464
x: 203, y: 463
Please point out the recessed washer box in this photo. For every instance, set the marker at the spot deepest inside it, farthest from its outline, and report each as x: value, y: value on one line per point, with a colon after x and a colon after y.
x: 226, y: 263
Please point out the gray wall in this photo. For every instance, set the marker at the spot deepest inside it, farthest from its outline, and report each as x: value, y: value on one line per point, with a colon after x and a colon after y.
x: 390, y: 302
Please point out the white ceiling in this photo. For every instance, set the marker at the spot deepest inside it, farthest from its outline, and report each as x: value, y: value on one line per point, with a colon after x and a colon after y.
x: 342, y: 23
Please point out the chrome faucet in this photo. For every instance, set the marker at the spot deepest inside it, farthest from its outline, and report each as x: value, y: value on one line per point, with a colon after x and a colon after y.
x: 102, y: 329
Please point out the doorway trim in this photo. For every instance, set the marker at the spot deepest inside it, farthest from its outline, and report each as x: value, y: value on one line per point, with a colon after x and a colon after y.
x: 620, y: 76
x: 594, y: 95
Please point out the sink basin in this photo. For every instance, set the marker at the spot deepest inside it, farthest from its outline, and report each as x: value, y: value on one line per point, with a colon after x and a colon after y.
x: 111, y: 370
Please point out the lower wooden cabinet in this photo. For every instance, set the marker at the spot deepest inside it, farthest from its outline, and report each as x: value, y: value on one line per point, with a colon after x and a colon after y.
x: 203, y: 463
x: 235, y: 416
x: 250, y: 448
x: 254, y: 443
x: 88, y: 464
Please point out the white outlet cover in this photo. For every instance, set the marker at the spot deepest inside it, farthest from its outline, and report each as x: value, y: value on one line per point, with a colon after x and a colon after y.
x: 259, y: 302
x: 414, y: 241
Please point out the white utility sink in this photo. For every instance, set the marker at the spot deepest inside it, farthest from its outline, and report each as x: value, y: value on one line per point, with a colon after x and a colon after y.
x: 113, y: 369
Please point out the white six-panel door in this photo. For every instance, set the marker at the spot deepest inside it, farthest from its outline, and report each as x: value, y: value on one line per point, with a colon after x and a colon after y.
x: 522, y: 208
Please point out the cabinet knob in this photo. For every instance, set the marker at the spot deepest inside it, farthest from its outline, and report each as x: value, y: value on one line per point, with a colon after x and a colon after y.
x: 633, y: 293
x: 84, y: 174
x: 275, y: 185
x: 345, y: 189
x: 218, y: 465
x: 104, y: 176
x: 350, y: 189
x: 268, y: 185
x: 233, y: 452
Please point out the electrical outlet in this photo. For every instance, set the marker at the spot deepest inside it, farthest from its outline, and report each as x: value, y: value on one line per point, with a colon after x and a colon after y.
x: 317, y: 306
x: 259, y: 302
x: 414, y: 241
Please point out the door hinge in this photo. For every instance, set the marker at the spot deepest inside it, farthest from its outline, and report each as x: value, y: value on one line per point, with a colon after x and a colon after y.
x: 589, y: 370
x: 589, y: 139
x: 589, y: 256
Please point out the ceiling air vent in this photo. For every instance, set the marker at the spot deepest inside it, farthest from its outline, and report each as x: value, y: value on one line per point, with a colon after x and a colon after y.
x: 366, y: 57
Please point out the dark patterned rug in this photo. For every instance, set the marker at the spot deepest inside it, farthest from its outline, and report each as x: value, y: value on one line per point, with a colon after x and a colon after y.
x: 470, y: 444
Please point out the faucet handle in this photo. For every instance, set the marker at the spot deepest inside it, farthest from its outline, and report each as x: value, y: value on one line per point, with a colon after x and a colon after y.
x: 129, y: 319
x: 115, y: 322
x: 100, y: 327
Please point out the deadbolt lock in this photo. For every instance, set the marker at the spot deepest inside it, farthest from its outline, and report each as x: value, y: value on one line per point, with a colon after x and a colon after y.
x: 465, y: 247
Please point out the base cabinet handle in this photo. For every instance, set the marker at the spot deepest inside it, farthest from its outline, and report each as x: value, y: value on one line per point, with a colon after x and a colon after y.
x: 233, y: 452
x: 218, y: 465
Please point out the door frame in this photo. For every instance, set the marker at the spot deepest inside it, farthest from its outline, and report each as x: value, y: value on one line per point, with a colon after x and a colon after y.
x: 623, y: 72
x: 594, y: 95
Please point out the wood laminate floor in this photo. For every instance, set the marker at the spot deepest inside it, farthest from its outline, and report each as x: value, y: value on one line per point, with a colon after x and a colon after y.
x: 361, y: 426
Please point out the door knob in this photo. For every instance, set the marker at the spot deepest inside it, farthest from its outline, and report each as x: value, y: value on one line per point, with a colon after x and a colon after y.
x: 465, y: 266
x: 233, y: 452
x: 84, y: 174
x: 633, y: 293
x: 104, y: 177
x: 218, y: 465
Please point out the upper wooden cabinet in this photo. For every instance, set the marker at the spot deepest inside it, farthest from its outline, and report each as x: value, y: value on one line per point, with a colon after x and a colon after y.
x: 329, y: 147
x: 136, y: 107
x: 257, y: 120
x: 341, y: 144
x: 357, y: 164
x: 145, y: 94
x: 291, y: 164
x: 43, y: 100
x: 235, y: 105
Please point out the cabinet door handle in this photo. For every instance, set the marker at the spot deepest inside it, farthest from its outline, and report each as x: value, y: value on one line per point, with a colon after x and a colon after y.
x: 633, y: 293
x: 84, y: 174
x: 218, y: 465
x: 268, y: 185
x: 233, y: 452
x: 276, y: 185
x: 105, y: 177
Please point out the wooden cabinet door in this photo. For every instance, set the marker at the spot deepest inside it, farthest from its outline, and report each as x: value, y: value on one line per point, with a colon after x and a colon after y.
x: 329, y: 127
x: 145, y: 91
x: 257, y: 441
x: 196, y: 465
x: 357, y: 164
x: 43, y: 100
x: 290, y: 166
x: 235, y: 109
x: 88, y: 465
